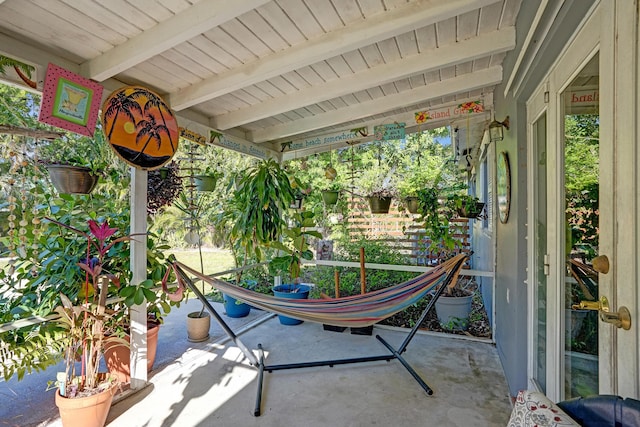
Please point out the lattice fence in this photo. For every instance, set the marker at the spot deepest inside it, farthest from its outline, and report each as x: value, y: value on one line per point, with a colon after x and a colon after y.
x: 405, y: 233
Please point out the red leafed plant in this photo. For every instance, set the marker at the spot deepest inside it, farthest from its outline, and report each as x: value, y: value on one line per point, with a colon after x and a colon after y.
x: 87, y: 322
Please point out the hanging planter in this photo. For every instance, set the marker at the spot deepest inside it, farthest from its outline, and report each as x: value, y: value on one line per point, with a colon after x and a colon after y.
x: 205, y: 182
x: 412, y: 204
x: 69, y: 179
x: 472, y: 210
x: 379, y: 205
x: 296, y: 203
x: 330, y: 198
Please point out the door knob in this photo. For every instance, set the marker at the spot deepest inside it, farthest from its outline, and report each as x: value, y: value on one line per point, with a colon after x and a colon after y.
x: 620, y: 318
x: 601, y: 264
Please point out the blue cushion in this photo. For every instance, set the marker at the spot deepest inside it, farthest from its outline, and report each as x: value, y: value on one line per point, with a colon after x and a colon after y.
x: 603, y: 411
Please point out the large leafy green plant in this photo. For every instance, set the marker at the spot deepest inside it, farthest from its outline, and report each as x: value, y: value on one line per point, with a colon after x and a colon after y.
x: 295, y: 244
x: 262, y: 195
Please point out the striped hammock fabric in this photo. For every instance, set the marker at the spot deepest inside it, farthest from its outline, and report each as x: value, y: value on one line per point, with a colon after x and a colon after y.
x: 352, y: 311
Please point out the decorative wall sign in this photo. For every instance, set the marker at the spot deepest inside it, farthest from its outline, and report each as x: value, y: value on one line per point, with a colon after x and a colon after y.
x: 140, y: 127
x: 70, y: 101
x: 471, y: 107
x: 503, y: 174
x: 389, y: 132
x: 192, y: 136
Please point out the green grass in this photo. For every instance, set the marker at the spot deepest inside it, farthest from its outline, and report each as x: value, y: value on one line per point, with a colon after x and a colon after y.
x: 214, y: 260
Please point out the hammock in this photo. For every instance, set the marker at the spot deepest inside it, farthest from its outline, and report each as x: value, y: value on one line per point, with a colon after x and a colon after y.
x: 352, y: 311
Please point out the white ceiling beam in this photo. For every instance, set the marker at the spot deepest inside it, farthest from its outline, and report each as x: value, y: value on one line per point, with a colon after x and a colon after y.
x: 406, y: 117
x: 183, y: 26
x: 464, y: 51
x: 466, y: 82
x: 365, y: 32
x: 478, y: 122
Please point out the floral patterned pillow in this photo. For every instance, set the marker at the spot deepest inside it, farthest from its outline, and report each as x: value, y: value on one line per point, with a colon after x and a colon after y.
x: 534, y: 409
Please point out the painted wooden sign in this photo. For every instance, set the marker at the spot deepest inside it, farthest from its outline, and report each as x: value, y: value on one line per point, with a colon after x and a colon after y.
x: 389, y: 132
x: 193, y: 136
x: 70, y: 101
x: 467, y: 108
x: 140, y: 127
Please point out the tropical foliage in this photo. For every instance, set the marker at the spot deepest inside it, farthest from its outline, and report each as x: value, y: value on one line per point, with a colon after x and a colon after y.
x: 581, y: 182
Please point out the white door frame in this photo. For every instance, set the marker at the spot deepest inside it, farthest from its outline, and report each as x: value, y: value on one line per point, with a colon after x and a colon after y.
x: 611, y: 30
x: 536, y: 107
x: 619, y: 115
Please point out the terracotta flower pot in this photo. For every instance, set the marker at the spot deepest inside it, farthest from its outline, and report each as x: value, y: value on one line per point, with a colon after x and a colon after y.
x: 90, y: 411
x: 118, y: 356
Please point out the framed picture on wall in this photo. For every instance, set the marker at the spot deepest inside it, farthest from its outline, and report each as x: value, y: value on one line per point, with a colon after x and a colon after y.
x: 503, y: 178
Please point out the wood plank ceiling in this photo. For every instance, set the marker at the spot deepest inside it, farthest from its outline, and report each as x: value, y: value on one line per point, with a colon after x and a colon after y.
x: 265, y: 72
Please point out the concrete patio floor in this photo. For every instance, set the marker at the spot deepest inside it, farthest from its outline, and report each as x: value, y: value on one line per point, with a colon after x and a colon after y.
x: 212, y: 384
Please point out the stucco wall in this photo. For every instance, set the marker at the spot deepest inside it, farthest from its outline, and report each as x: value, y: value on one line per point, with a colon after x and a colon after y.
x: 511, y: 256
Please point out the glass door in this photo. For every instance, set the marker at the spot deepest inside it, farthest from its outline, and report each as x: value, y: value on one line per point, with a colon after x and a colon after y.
x: 540, y: 272
x: 580, y: 122
x: 589, y: 259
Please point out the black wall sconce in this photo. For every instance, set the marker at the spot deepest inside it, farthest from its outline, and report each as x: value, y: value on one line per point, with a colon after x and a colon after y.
x: 496, y: 131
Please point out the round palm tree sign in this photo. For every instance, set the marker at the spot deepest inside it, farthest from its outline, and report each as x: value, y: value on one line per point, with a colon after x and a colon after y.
x: 140, y: 127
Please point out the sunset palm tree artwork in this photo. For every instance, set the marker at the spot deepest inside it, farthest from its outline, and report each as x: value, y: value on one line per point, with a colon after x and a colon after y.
x: 140, y: 127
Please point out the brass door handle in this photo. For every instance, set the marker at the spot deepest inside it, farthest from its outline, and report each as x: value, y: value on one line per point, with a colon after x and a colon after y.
x: 620, y: 318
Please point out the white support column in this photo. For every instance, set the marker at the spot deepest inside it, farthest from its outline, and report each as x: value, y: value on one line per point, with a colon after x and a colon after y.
x: 138, y: 313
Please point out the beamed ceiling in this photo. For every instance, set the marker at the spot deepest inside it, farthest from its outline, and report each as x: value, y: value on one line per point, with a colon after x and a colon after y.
x: 268, y: 72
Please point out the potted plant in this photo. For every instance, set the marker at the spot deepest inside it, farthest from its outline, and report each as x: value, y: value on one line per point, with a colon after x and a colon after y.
x: 330, y: 192
x: 163, y: 187
x: 253, y: 217
x: 115, y: 263
x: 378, y: 186
x: 466, y: 205
x: 198, y: 322
x: 454, y: 305
x: 117, y: 347
x: 437, y: 207
x: 263, y: 193
x: 296, y: 248
x: 207, y: 180
x: 408, y: 187
x: 75, y: 164
x: 84, y: 394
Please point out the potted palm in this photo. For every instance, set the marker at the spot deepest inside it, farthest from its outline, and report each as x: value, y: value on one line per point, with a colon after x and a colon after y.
x: 296, y: 248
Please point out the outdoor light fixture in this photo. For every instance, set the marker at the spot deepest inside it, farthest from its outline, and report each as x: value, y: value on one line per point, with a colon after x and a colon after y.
x: 495, y: 129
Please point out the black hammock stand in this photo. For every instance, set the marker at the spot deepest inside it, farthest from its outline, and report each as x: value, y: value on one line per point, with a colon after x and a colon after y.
x: 259, y: 362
